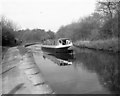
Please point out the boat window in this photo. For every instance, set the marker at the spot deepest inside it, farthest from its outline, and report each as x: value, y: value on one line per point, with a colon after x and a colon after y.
x: 64, y: 42
x: 69, y: 42
x: 59, y: 41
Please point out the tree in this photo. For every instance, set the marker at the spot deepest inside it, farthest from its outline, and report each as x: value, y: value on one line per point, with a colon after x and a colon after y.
x: 35, y: 35
x: 51, y: 35
x: 81, y: 30
x: 109, y: 9
x: 8, y: 32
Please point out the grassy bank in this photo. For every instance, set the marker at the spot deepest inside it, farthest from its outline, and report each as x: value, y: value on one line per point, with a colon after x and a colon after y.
x: 105, y: 45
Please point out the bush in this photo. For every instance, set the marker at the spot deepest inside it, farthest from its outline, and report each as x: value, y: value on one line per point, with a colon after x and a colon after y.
x: 8, y: 33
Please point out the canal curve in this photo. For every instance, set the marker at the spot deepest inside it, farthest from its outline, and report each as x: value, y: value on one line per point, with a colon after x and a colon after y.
x: 91, y: 72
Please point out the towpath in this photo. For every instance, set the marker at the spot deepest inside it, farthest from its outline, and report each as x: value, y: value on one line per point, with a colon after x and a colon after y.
x: 19, y: 73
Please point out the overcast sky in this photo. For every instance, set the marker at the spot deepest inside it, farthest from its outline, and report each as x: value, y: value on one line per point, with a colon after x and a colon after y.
x: 46, y: 14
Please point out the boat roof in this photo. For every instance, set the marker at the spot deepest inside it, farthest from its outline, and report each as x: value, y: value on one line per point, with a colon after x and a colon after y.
x: 63, y: 39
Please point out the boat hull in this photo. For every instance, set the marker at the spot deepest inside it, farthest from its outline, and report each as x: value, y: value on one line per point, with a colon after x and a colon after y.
x: 57, y: 50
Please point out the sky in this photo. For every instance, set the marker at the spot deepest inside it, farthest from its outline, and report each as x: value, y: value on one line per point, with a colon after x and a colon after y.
x: 46, y: 14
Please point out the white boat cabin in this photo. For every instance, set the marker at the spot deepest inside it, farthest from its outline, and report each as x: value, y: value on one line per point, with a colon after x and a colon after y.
x: 61, y: 43
x: 64, y: 41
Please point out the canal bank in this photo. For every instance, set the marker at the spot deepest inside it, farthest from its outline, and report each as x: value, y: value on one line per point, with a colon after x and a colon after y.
x: 110, y: 45
x: 20, y: 74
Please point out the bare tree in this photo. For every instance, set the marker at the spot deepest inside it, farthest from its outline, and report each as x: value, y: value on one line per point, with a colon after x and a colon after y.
x: 107, y: 7
x: 8, y: 32
x: 9, y: 24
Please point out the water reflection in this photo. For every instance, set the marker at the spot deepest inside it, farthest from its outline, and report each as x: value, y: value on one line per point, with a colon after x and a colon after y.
x: 104, y: 64
x: 90, y: 72
x: 62, y: 59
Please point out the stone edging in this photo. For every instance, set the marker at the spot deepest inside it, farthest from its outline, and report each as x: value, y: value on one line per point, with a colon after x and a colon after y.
x: 31, y: 70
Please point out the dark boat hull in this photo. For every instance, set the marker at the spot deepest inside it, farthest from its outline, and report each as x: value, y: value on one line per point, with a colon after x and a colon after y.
x: 57, y: 50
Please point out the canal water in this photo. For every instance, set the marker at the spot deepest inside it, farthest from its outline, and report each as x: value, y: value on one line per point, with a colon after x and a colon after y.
x: 84, y: 72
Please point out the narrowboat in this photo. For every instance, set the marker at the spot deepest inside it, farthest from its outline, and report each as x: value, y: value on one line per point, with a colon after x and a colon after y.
x: 62, y: 46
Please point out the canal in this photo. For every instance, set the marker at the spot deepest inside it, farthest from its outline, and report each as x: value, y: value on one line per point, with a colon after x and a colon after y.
x: 84, y: 72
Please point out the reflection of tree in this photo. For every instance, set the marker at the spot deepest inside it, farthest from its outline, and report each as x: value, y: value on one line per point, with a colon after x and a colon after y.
x: 85, y: 58
x: 105, y: 65
x: 110, y: 77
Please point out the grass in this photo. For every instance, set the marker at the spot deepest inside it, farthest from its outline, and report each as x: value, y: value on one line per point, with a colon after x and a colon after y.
x: 109, y: 44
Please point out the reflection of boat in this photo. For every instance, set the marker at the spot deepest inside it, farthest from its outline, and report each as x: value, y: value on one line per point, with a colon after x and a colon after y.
x: 62, y: 46
x: 63, y: 56
x: 64, y: 63
x: 62, y: 59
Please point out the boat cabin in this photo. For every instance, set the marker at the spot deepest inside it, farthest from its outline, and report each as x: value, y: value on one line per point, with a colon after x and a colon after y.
x: 62, y: 46
x: 64, y: 41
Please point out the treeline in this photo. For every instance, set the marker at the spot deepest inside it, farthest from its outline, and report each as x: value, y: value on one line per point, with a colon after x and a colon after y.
x: 8, y: 33
x: 11, y: 36
x: 35, y: 35
x: 102, y: 24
